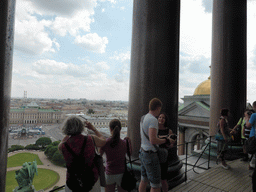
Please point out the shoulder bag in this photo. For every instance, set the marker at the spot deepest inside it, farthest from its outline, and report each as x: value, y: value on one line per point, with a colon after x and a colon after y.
x: 129, y: 181
x: 161, y: 152
x: 98, y: 161
x: 250, y: 145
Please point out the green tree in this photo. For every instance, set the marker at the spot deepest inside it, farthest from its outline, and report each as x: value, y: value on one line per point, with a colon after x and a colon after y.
x: 43, y: 142
x: 58, y: 158
x: 51, y: 150
x: 90, y: 111
x: 55, y: 143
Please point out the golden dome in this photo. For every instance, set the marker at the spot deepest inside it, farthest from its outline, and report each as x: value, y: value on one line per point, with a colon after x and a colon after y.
x: 203, y: 88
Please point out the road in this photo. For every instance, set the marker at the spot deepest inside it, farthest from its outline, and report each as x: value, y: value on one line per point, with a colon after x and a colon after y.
x: 52, y: 131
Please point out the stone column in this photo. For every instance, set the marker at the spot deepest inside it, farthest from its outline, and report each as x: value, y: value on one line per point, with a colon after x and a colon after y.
x: 181, y: 144
x: 7, y: 10
x: 154, y: 62
x: 228, y: 79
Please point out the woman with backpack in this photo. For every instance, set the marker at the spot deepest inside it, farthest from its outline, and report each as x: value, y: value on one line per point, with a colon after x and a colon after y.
x: 115, y: 149
x: 79, y: 151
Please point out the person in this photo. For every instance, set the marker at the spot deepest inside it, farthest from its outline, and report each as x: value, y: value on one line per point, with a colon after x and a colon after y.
x: 150, y: 166
x: 245, y: 131
x: 115, y: 150
x: 164, y: 132
x: 224, y: 130
x: 252, y: 122
x: 73, y: 128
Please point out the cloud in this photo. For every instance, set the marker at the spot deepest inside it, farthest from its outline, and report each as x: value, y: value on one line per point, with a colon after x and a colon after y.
x: 123, y: 67
x: 31, y: 37
x: 52, y: 79
x: 51, y: 67
x: 92, y: 42
x: 207, y: 4
x: 195, y: 64
x: 102, y: 66
x: 63, y: 7
x: 72, y: 25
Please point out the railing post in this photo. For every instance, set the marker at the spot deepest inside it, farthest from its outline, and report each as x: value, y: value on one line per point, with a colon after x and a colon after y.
x: 209, y: 155
x: 186, y: 169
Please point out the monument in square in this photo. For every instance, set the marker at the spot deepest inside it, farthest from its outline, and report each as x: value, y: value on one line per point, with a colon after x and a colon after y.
x: 25, y: 177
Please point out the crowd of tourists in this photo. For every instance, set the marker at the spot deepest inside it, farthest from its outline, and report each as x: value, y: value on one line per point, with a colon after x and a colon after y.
x: 84, y: 173
x: 85, y: 170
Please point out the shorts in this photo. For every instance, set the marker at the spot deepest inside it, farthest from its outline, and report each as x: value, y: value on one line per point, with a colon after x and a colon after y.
x: 114, y: 179
x: 150, y: 168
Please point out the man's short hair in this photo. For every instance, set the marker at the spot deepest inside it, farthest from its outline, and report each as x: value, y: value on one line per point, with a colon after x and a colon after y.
x: 254, y: 104
x: 154, y: 104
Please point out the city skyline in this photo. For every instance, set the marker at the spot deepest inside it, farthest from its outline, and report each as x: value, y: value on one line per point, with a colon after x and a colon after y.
x: 82, y: 48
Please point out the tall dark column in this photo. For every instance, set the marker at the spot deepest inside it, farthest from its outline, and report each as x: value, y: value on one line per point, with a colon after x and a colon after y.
x: 7, y: 10
x: 154, y: 62
x: 228, y: 80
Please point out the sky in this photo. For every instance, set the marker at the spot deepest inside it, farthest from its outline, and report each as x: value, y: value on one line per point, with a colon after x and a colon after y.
x: 82, y: 49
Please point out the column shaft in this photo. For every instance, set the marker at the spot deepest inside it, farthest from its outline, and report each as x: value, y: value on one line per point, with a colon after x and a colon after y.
x: 154, y: 62
x: 7, y: 10
x: 228, y: 80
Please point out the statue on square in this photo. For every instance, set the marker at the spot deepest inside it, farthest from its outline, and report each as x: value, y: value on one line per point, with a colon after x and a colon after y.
x: 25, y: 177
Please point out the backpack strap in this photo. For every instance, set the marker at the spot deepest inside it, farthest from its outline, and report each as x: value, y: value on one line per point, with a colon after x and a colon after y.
x: 72, y: 152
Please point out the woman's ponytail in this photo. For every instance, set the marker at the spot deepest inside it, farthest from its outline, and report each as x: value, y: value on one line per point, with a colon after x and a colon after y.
x: 115, y: 126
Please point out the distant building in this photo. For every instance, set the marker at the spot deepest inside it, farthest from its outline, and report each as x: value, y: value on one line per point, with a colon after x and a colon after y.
x: 32, y: 114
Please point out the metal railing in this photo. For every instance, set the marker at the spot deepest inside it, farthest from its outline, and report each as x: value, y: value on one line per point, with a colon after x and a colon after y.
x: 185, y: 160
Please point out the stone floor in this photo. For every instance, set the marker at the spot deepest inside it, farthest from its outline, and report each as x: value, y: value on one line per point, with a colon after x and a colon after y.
x: 238, y: 178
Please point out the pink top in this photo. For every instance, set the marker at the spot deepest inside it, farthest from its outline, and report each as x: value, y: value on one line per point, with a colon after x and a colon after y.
x: 115, y: 157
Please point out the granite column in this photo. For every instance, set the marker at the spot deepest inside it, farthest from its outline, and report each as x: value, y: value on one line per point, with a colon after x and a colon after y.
x: 154, y: 62
x: 228, y: 79
x: 7, y: 11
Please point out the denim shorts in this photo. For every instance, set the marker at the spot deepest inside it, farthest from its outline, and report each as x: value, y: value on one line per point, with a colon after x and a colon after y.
x: 150, y: 168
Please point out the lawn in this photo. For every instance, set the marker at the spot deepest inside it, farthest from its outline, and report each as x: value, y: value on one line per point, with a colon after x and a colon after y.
x: 20, y: 158
x: 46, y: 178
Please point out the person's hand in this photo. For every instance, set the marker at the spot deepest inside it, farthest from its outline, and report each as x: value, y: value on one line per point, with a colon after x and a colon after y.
x: 89, y: 126
x: 233, y: 132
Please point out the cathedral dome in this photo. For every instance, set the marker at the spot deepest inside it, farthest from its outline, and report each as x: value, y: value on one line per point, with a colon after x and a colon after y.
x: 203, y: 88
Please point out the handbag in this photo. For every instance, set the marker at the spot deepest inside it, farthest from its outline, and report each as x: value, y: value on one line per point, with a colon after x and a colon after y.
x: 161, y: 152
x: 129, y: 181
x: 250, y: 145
x: 98, y: 161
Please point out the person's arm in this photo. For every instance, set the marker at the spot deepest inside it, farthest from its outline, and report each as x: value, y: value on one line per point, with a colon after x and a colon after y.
x: 155, y: 140
x: 60, y: 144
x: 222, y: 123
x: 99, y: 139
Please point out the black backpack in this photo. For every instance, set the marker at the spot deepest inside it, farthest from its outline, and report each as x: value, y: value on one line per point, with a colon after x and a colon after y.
x: 81, y: 175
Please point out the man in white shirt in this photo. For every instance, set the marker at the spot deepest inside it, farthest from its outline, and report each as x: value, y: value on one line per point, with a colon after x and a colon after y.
x: 150, y: 166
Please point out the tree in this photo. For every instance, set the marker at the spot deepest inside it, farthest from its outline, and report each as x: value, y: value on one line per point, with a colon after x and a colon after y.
x: 90, y: 111
x: 43, y: 142
x: 58, y: 158
x: 55, y: 143
x: 50, y: 151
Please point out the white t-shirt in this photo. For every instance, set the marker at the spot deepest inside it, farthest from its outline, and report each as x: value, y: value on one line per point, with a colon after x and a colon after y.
x: 147, y: 121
